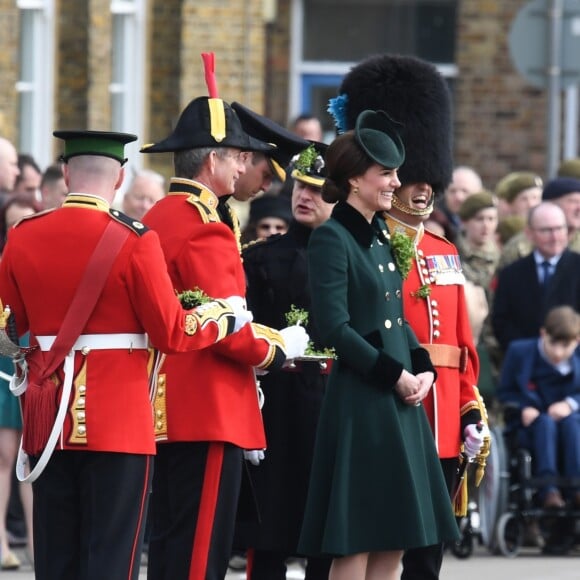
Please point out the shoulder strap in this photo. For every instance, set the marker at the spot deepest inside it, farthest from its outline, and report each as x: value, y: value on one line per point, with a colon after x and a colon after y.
x: 87, y: 294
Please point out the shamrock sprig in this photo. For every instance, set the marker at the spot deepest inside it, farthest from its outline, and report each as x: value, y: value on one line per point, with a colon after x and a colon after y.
x: 296, y: 316
x: 327, y: 352
x: 403, y: 251
x: 423, y: 292
x: 192, y: 298
x: 300, y: 316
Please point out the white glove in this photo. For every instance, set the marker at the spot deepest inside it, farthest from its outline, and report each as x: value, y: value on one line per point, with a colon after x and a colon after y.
x: 242, y: 314
x: 296, y: 340
x: 254, y: 456
x: 473, y: 439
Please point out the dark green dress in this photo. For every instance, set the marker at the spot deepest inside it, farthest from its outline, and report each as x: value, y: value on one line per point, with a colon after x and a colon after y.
x: 376, y: 481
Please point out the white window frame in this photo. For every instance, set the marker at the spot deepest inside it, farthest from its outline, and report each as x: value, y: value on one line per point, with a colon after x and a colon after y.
x: 300, y: 67
x: 132, y: 85
x: 35, y: 138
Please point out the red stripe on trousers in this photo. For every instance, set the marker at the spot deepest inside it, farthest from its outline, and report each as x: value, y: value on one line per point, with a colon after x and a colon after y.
x: 136, y: 558
x: 207, y: 507
x: 249, y: 562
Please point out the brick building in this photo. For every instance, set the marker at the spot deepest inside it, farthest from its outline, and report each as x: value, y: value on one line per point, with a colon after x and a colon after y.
x: 132, y: 65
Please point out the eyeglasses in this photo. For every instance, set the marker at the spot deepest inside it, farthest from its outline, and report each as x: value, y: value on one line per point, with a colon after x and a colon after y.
x: 553, y: 230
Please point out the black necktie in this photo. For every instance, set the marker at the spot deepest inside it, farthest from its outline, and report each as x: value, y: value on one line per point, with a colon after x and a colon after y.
x: 546, y: 273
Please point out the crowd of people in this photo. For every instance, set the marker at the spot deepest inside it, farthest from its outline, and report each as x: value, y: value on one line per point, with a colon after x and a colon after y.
x: 304, y: 383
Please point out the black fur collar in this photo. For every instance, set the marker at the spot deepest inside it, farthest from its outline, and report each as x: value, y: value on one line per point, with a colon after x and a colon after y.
x: 357, y: 225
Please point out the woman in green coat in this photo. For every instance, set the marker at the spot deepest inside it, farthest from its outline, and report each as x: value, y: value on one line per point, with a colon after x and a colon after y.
x: 376, y: 486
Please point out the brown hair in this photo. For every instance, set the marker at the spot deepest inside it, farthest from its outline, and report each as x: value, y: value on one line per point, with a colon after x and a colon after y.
x: 563, y: 323
x: 21, y: 200
x: 344, y: 159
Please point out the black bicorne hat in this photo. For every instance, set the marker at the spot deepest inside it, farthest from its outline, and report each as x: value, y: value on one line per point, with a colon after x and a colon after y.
x: 412, y: 92
x: 285, y: 143
x: 207, y: 122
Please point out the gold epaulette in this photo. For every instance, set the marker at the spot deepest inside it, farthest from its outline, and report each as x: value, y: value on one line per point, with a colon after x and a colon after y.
x: 198, y: 196
x: 34, y: 216
x: 208, y: 214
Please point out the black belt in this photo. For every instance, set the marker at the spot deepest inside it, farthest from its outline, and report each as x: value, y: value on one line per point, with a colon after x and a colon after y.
x: 300, y: 366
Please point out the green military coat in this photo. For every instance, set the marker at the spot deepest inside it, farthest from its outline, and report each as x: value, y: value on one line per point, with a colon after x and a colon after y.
x: 376, y: 481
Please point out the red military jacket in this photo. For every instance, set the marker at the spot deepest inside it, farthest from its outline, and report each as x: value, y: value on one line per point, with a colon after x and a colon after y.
x: 209, y: 395
x: 43, y: 262
x: 441, y: 324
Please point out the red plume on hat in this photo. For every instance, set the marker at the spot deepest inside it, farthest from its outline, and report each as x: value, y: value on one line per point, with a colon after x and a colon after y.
x: 209, y: 69
x: 207, y: 122
x: 412, y: 92
x: 216, y: 105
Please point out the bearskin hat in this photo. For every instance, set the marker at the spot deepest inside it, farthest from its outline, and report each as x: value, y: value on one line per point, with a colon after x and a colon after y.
x: 412, y: 92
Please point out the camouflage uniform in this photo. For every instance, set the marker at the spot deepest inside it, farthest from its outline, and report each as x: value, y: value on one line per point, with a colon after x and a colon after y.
x: 479, y: 266
x: 518, y: 246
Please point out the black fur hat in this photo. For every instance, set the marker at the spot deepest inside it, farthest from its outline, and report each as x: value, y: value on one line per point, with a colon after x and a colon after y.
x: 412, y: 92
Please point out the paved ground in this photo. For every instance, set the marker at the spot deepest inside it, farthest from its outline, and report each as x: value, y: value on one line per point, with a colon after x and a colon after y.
x: 481, y: 566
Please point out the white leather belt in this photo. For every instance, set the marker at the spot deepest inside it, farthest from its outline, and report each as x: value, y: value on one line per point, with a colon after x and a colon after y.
x: 84, y: 342
x: 100, y: 341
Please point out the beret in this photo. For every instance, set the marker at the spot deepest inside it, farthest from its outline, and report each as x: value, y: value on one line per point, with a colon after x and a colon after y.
x: 559, y: 187
x: 570, y: 168
x: 513, y: 183
x: 474, y: 203
x: 509, y: 226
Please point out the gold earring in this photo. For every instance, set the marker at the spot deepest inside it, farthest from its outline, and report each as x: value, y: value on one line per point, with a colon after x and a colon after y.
x: 355, y: 190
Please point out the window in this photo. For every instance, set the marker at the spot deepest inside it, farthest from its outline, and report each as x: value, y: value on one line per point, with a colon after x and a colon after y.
x: 330, y: 36
x: 350, y: 30
x: 127, y: 88
x: 35, y: 86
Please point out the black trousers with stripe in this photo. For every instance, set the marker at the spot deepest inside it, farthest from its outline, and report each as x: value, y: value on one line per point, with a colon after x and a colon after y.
x: 193, y: 509
x: 89, y: 515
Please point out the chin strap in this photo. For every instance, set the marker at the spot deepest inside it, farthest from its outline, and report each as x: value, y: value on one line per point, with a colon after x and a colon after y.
x: 403, y: 207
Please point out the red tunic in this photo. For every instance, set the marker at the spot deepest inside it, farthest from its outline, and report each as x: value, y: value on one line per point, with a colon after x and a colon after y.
x: 441, y: 324
x: 209, y: 395
x: 41, y: 267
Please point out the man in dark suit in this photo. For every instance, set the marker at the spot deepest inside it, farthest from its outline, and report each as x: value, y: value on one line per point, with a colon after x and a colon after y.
x: 548, y: 277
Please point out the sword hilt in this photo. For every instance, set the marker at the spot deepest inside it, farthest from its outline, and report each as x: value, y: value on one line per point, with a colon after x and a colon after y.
x: 11, y: 330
